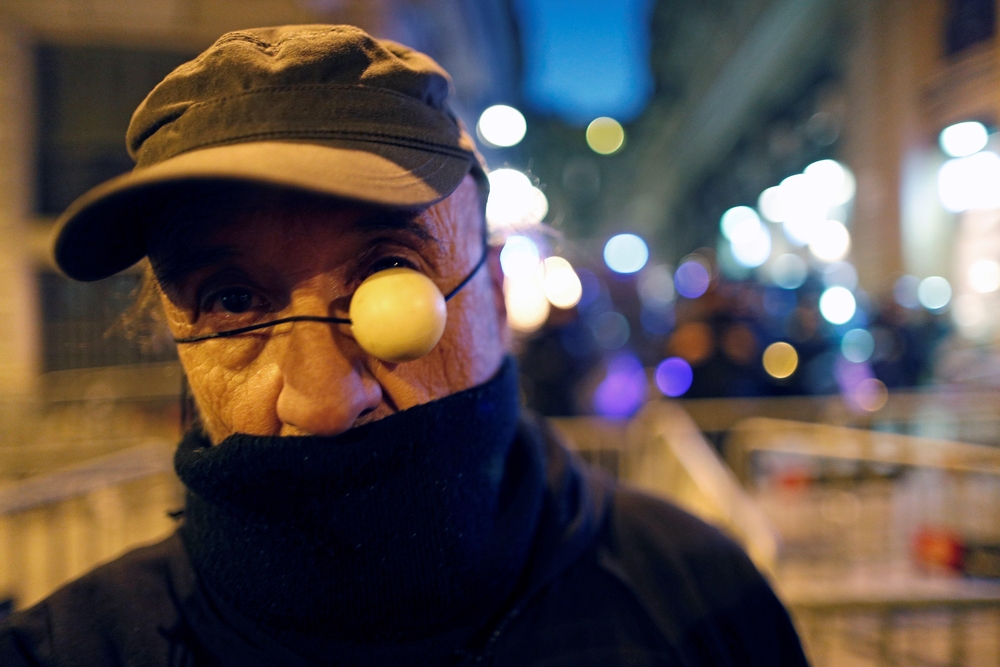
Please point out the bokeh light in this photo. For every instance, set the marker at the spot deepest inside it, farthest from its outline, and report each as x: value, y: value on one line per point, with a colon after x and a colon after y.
x: 674, y: 377
x: 837, y: 305
x: 692, y: 279
x: 802, y: 206
x: 527, y: 307
x: 657, y: 321
x: 611, y: 330
x: 934, y: 293
x: 871, y: 394
x: 789, y: 271
x: 969, y: 311
x: 623, y: 389
x: 984, y: 276
x: 656, y: 287
x: 513, y: 201
x: 693, y: 341
x: 625, y: 253
x: 857, y: 345
x: 904, y: 291
x: 519, y: 257
x: 780, y: 360
x: 751, y: 247
x: 561, y: 285
x: 971, y: 182
x: 832, y: 181
x: 840, y: 273
x: 829, y: 241
x: 962, y: 139
x: 738, y: 222
x: 770, y: 204
x: 501, y: 126
x: 605, y: 135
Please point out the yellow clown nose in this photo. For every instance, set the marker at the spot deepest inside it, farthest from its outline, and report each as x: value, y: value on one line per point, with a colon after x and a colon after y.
x: 398, y: 315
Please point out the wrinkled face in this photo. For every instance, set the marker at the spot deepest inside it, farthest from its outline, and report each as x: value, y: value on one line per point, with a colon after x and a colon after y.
x: 302, y: 378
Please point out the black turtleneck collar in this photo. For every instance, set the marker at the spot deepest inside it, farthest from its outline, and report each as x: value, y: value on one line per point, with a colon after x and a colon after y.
x: 412, y: 527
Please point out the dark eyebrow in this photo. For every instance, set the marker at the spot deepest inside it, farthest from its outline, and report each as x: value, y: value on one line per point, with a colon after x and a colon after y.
x: 395, y: 221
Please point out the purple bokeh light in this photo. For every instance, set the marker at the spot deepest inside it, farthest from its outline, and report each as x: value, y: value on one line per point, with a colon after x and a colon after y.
x: 691, y: 279
x: 623, y: 389
x: 674, y: 376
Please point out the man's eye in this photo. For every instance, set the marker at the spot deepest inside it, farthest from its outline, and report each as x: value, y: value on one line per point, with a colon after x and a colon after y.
x: 391, y: 263
x: 235, y: 299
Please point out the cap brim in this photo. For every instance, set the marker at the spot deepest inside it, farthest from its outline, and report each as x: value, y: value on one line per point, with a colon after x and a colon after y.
x: 102, y: 232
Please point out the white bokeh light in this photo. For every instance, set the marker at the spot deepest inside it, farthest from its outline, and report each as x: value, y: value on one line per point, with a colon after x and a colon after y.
x: 656, y: 287
x: 789, y: 271
x: 837, y: 305
x: 519, y: 257
x: 840, y: 273
x: 969, y: 311
x: 739, y: 221
x: 830, y: 241
x: 832, y: 182
x: 560, y: 283
x: 770, y: 204
x: 502, y: 126
x: 934, y: 293
x: 971, y: 182
x: 984, y: 276
x: 514, y: 202
x: 625, y: 253
x: 752, y: 246
x: 962, y: 139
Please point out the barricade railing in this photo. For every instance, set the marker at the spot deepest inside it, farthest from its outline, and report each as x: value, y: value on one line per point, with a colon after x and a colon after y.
x: 890, y: 550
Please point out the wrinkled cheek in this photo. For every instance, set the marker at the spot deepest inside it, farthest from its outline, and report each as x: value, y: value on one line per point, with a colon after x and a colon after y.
x: 232, y: 397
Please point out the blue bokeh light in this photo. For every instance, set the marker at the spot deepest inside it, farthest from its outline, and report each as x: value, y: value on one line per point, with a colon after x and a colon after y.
x: 623, y: 389
x: 692, y: 279
x: 626, y: 253
x: 674, y: 376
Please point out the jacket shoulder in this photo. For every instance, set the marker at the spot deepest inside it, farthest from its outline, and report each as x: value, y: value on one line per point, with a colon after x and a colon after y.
x: 117, y: 614
x: 698, y: 585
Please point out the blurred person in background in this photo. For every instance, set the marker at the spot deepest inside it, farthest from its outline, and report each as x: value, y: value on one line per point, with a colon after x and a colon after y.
x: 363, y: 486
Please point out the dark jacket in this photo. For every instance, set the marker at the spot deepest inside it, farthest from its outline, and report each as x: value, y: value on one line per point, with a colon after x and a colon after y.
x: 616, y: 578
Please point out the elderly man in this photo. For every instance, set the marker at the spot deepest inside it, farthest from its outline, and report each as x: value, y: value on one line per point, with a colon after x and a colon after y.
x: 362, y: 486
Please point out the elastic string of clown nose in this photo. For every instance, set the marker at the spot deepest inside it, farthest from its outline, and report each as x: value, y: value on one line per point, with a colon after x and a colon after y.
x: 373, y: 309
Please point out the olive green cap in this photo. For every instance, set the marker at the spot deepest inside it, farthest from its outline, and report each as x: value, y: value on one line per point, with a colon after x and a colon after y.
x: 326, y: 109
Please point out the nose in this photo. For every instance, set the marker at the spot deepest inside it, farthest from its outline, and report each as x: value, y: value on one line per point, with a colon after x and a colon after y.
x: 324, y: 391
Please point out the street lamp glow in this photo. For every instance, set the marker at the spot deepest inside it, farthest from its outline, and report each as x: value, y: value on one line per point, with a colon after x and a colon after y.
x: 963, y: 139
x: 501, y: 126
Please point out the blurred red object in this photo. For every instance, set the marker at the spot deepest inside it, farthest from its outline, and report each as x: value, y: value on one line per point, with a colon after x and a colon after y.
x: 938, y: 548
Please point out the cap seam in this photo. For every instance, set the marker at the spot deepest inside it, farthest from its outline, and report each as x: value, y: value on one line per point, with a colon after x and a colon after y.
x: 370, y: 137
x: 317, y: 86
